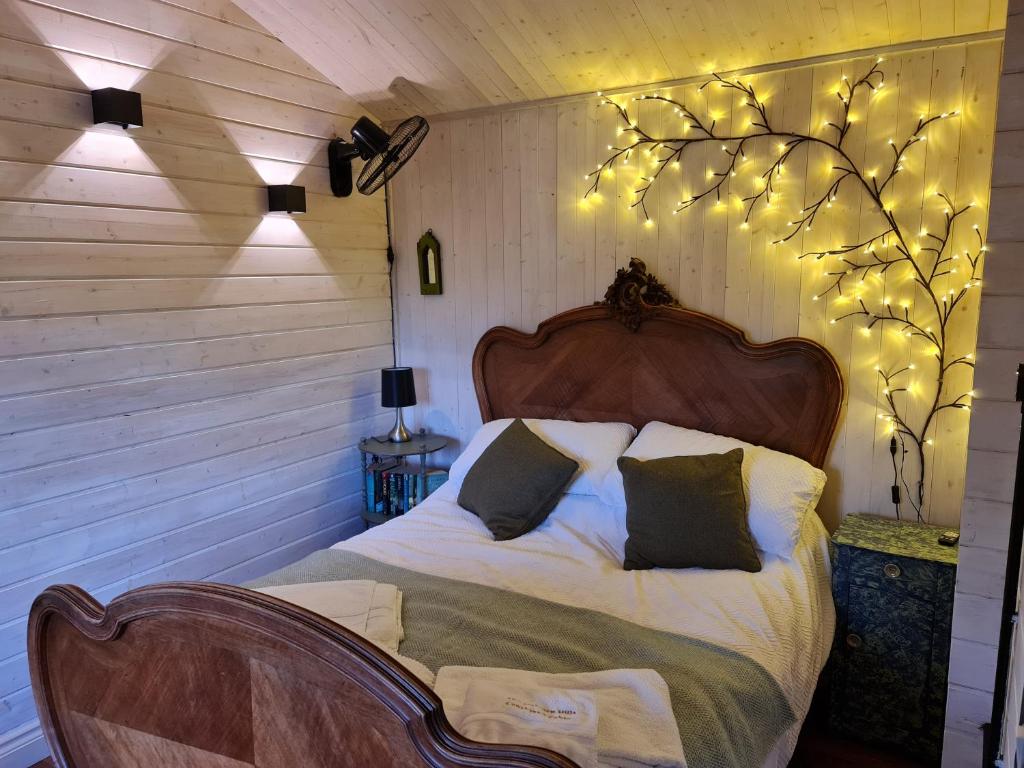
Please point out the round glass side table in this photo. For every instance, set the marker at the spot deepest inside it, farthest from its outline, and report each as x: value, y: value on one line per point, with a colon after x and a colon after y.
x: 396, y: 486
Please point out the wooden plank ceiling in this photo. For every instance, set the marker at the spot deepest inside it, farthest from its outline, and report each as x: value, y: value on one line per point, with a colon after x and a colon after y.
x: 401, y: 57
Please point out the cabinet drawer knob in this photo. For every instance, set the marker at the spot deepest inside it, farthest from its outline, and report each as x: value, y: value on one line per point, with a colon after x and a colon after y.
x: 854, y: 640
x: 891, y: 570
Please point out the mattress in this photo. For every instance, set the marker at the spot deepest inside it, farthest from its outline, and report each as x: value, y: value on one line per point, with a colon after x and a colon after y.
x: 782, y: 618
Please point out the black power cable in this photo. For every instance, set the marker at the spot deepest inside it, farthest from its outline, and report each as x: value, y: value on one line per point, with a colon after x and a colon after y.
x: 391, y: 271
x: 893, y: 447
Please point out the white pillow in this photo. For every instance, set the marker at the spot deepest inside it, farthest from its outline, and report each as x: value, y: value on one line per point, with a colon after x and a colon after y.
x: 780, y: 488
x: 595, y: 445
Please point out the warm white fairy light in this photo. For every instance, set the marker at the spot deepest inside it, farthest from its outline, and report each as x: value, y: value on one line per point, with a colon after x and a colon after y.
x: 923, y: 259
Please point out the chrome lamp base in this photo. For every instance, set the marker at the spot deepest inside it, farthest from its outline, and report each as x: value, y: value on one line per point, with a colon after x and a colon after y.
x: 398, y: 433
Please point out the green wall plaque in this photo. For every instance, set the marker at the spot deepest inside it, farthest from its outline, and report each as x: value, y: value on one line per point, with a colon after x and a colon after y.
x: 428, y: 252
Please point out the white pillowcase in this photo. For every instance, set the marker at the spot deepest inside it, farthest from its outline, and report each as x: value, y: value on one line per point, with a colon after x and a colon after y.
x: 780, y: 488
x: 595, y: 445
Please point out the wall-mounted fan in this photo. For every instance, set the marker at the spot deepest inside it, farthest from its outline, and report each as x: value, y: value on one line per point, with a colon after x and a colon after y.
x: 384, y: 154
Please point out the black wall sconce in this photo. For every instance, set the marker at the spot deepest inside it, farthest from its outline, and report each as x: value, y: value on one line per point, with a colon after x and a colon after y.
x: 112, y: 105
x: 286, y: 198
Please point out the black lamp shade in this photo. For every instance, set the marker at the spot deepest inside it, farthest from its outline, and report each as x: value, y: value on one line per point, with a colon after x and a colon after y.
x: 112, y: 105
x: 397, y: 389
x: 286, y: 198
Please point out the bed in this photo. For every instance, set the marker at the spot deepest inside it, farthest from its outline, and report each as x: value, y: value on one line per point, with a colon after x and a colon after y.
x: 213, y: 675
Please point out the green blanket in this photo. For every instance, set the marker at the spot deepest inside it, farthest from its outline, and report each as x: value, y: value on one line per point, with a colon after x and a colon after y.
x: 730, y: 711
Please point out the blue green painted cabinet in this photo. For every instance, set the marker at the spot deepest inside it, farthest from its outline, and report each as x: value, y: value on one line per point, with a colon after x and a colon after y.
x: 893, y: 587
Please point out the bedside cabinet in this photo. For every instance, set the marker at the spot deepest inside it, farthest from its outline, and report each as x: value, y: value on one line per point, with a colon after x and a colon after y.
x: 391, y: 486
x: 893, y: 588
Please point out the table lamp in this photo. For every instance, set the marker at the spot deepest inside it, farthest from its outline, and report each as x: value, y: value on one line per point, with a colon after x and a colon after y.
x: 397, y: 390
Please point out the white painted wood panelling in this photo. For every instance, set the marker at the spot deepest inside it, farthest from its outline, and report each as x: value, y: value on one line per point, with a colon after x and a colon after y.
x: 434, y: 56
x: 502, y: 192
x: 182, y: 377
x: 994, y: 437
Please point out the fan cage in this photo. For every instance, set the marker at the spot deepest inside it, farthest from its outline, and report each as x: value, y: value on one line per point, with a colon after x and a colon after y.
x: 403, y: 143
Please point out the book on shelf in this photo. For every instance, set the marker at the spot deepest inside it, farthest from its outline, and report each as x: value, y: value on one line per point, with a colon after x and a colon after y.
x: 435, y: 479
x: 376, y: 485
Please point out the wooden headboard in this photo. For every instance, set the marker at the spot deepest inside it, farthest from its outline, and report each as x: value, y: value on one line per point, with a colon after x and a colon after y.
x: 679, y: 366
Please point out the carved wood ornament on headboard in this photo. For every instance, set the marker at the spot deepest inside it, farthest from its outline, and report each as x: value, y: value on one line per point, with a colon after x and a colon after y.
x: 639, y: 357
x: 634, y: 292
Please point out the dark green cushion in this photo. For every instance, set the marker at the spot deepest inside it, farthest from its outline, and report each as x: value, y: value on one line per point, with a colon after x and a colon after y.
x: 687, y: 512
x: 516, y: 482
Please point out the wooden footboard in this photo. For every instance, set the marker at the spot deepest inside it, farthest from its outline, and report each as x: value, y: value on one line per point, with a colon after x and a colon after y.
x: 212, y: 676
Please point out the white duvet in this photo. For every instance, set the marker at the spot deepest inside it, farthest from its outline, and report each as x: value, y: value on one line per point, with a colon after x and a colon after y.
x: 783, y: 617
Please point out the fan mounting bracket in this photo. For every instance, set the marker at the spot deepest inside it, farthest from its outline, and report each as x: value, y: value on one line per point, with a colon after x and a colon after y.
x: 339, y: 162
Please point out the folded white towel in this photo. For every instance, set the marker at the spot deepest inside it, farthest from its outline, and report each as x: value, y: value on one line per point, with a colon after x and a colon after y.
x: 636, y: 727
x: 368, y: 608
x: 559, y: 720
x: 384, y: 619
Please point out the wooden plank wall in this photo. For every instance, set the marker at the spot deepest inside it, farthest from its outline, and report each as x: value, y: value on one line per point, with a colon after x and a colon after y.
x: 502, y: 191
x: 182, y: 378
x: 994, y: 436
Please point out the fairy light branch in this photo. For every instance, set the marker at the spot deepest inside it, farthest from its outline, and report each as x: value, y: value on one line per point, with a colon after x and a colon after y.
x: 943, y: 279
